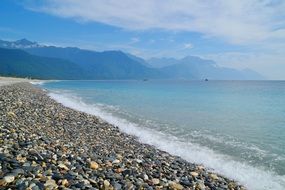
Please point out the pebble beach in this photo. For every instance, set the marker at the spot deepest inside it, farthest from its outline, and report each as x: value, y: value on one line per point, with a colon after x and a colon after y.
x: 45, y: 145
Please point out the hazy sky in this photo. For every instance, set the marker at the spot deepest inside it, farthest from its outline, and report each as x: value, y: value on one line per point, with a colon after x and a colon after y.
x: 234, y: 33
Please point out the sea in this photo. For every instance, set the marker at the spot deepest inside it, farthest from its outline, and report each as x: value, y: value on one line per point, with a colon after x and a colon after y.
x: 235, y: 128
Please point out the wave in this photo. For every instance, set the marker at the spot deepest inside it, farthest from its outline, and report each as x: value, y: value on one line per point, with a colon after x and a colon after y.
x: 41, y: 82
x: 37, y: 82
x: 230, y: 142
x: 251, y: 177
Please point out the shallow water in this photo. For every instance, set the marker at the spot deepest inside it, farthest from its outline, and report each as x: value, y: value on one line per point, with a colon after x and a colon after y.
x: 237, y: 128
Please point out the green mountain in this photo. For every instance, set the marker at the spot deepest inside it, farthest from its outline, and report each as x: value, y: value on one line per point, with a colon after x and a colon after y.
x: 18, y: 63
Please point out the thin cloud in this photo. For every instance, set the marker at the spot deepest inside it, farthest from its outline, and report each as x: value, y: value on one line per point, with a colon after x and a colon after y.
x: 134, y: 40
x: 188, y: 46
x: 239, y: 22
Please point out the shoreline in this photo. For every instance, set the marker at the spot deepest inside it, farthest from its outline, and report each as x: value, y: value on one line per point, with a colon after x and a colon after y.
x: 12, y: 80
x: 52, y: 146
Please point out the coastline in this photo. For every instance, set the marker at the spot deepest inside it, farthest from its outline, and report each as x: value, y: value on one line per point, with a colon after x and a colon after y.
x: 13, y: 80
x: 49, y: 146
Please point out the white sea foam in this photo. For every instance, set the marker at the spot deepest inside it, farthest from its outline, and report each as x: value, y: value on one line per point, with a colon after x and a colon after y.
x: 41, y: 82
x: 253, y: 178
x: 38, y: 82
x: 230, y: 142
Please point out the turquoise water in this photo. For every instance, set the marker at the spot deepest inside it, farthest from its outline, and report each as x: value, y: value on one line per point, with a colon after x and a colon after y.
x: 236, y: 128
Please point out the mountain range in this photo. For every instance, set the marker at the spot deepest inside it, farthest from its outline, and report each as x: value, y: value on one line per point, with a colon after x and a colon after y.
x: 24, y: 58
x: 18, y: 63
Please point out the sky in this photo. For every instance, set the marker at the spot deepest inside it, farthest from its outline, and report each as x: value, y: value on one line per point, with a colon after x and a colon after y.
x: 237, y: 34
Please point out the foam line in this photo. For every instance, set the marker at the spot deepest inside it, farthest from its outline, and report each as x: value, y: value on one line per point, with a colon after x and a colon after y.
x: 251, y: 177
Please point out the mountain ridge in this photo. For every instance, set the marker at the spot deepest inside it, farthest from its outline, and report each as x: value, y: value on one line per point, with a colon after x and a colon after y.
x: 194, y: 67
x: 18, y: 63
x: 116, y: 64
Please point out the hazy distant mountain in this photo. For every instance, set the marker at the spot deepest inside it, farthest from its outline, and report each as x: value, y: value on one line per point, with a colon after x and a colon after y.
x: 161, y: 62
x: 192, y: 67
x: 15, y: 62
x: 138, y: 59
x: 120, y: 65
x: 250, y: 74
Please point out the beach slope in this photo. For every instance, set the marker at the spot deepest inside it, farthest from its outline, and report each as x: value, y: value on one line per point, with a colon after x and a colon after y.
x: 45, y: 145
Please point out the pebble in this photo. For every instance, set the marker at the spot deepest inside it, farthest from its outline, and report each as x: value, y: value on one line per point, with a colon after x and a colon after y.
x: 175, y: 186
x: 62, y: 166
x: 106, y: 183
x: 51, y: 184
x: 214, y: 176
x: 18, y: 171
x: 145, y: 177
x: 116, y: 161
x: 9, y: 178
x: 155, y: 181
x: 11, y: 114
x: 94, y: 165
x: 200, y: 186
x: 194, y: 174
x: 116, y: 185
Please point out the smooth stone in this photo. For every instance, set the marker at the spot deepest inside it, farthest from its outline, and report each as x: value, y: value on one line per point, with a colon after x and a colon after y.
x: 22, y: 186
x: 80, y: 185
x: 9, y: 178
x: 176, y: 186
x: 139, y: 161
x: 18, y: 171
x: 57, y: 176
x: 119, y: 170
x: 27, y: 164
x: 145, y: 177
x: 155, y: 181
x: 54, y: 157
x: 116, y: 185
x: 200, y: 167
x: 2, y: 182
x: 127, y: 172
x: 64, y: 182
x: 11, y: 114
x: 62, y: 166
x: 92, y: 181
x: 106, y: 183
x: 186, y: 183
x: 214, y: 176
x: 2, y: 157
x: 50, y: 184
x: 72, y: 173
x: 232, y: 185
x: 35, y: 188
x: 129, y: 185
x: 209, y: 184
x: 116, y: 161
x: 118, y: 176
x: 32, y: 185
x: 200, y: 186
x: 94, y: 165
x: 194, y: 174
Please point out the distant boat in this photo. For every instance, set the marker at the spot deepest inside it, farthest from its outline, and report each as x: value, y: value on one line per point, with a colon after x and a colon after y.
x: 145, y: 79
x: 206, y: 79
